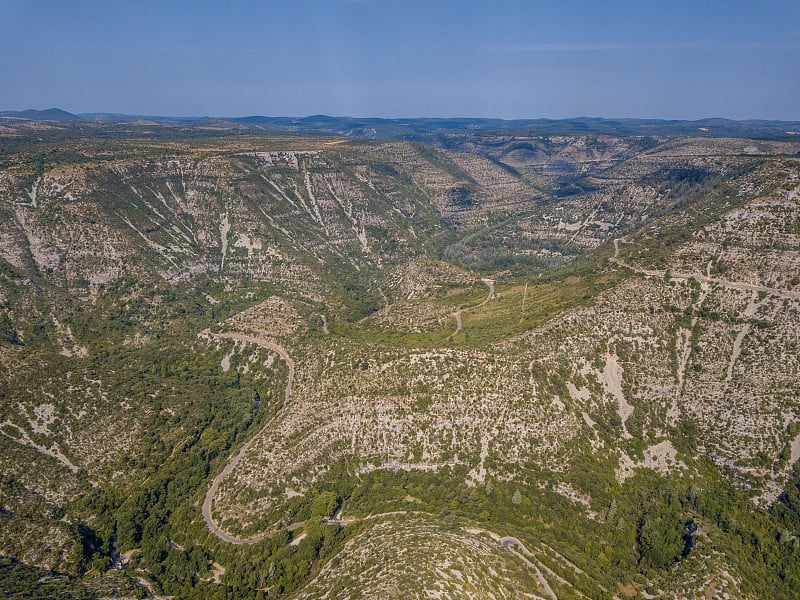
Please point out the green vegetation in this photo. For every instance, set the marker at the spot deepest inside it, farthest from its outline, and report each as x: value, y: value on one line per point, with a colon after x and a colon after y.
x: 119, y: 404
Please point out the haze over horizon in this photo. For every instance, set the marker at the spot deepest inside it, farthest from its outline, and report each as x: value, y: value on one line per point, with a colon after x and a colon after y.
x: 381, y: 58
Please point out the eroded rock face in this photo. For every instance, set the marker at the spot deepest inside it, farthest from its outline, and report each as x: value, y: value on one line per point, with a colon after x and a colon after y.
x: 274, y: 216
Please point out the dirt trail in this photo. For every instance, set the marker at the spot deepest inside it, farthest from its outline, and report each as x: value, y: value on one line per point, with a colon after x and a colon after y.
x: 457, y: 314
x: 144, y: 583
x: 586, y: 221
x: 234, y: 462
x: 684, y: 336
x: 509, y: 543
x: 749, y: 311
x: 708, y: 279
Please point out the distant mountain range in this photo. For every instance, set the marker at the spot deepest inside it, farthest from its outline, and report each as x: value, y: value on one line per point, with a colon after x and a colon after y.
x: 49, y: 114
x: 428, y: 128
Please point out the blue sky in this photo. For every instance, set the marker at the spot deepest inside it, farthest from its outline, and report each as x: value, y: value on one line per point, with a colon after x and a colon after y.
x: 509, y: 59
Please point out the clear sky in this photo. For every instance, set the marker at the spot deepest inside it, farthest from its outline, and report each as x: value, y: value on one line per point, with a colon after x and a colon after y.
x: 405, y: 58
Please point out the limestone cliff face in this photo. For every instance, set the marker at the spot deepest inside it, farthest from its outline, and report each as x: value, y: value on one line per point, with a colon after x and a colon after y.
x: 283, y: 216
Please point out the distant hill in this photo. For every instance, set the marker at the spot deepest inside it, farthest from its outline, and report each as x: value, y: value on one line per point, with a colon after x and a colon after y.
x: 49, y: 114
x: 425, y: 128
x: 438, y: 130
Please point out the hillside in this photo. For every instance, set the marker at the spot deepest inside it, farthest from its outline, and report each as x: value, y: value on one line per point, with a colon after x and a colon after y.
x: 437, y: 131
x: 501, y: 364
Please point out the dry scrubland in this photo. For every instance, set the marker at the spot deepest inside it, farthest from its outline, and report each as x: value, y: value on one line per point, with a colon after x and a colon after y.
x: 157, y: 296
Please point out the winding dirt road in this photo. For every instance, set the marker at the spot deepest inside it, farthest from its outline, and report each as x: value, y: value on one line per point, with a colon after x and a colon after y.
x: 733, y: 285
x: 233, y: 463
x: 457, y: 314
x: 509, y: 543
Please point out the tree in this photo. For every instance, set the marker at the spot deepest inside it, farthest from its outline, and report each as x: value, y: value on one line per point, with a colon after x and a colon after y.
x: 324, y: 504
x: 8, y: 334
x: 315, y: 531
x: 661, y: 541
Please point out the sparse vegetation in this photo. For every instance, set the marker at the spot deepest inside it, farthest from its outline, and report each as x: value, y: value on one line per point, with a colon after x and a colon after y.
x: 623, y: 403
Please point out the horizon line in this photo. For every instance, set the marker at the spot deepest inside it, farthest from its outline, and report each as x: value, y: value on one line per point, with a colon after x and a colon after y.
x: 4, y: 113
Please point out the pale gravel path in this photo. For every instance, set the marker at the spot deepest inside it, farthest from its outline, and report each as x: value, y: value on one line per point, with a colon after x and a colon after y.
x: 508, y: 543
x: 233, y: 463
x: 457, y: 314
x: 144, y: 583
x: 733, y: 285
x: 705, y: 281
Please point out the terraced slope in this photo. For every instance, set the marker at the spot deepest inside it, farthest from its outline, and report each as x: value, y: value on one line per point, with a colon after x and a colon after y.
x: 359, y: 357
